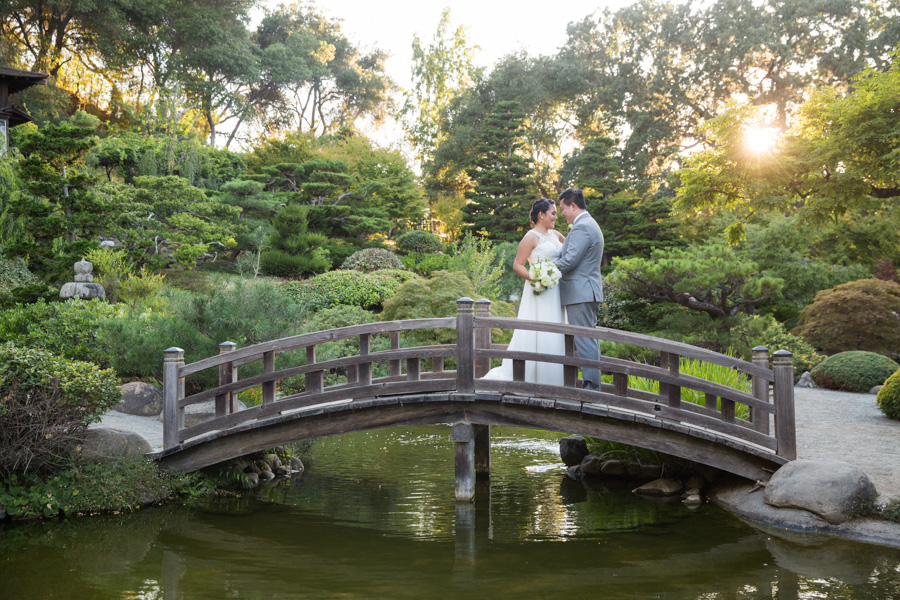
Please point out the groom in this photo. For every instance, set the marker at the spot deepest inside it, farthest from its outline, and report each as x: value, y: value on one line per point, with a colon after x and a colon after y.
x: 581, y: 289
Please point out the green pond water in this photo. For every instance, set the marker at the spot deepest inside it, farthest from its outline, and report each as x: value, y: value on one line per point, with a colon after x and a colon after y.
x: 374, y: 516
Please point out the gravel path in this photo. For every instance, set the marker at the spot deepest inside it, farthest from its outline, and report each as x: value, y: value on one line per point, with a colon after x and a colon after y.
x: 150, y: 428
x: 851, y: 428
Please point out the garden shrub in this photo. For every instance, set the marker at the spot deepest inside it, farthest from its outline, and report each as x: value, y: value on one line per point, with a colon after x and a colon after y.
x: 889, y: 397
x: 766, y: 331
x: 436, y: 297
x: 344, y: 316
x: 239, y: 310
x: 860, y: 315
x: 853, y: 371
x: 48, y: 402
x: 372, y: 259
x: 366, y: 290
x: 13, y: 273
x: 70, y: 329
x: 427, y: 264
x: 422, y: 242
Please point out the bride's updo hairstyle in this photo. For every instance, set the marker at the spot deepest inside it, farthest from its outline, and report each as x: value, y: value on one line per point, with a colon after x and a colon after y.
x: 541, y: 206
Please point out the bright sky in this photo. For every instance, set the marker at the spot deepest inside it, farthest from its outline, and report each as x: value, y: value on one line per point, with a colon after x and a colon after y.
x: 497, y: 27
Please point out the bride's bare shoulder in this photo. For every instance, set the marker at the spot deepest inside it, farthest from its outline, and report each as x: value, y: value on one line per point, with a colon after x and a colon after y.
x: 559, y: 236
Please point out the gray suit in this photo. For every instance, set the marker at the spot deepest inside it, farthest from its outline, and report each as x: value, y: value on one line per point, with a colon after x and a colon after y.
x: 582, y: 288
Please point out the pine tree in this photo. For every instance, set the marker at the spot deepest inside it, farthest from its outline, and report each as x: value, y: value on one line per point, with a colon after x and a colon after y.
x: 294, y: 250
x: 504, y: 189
x: 632, y: 226
x: 61, y: 215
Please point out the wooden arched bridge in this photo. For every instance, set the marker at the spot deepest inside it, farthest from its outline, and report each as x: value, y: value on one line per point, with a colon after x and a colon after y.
x: 712, y: 433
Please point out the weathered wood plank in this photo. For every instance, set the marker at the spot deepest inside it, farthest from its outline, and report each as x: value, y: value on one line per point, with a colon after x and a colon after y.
x: 173, y: 359
x: 785, y: 431
x: 634, y: 339
x: 465, y: 346
x: 570, y: 371
x: 464, y: 461
x: 365, y: 368
x: 394, y: 367
x: 301, y: 341
x: 760, y: 390
x: 251, y: 382
x: 615, y: 365
x: 268, y: 387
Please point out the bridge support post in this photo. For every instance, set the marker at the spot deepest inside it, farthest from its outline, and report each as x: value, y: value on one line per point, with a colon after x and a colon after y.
x: 785, y: 432
x: 464, y: 461
x: 482, y: 451
x: 173, y: 359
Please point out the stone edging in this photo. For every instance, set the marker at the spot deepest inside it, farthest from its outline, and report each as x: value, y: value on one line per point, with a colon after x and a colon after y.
x: 736, y: 496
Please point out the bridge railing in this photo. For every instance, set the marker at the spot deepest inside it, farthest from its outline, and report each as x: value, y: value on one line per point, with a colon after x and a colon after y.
x: 770, y: 422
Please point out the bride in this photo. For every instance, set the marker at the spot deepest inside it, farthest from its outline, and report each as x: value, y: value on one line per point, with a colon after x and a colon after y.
x: 542, y: 242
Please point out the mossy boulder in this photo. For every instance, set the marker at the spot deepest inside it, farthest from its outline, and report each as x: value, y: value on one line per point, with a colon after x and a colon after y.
x: 889, y: 397
x: 854, y: 371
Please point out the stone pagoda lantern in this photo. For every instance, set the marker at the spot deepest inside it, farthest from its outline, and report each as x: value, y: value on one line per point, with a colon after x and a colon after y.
x: 83, y: 286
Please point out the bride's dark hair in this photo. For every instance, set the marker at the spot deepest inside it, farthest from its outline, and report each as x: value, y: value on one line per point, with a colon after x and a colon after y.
x: 541, y: 206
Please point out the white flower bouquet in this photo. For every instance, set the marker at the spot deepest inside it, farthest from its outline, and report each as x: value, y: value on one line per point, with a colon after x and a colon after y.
x: 544, y: 275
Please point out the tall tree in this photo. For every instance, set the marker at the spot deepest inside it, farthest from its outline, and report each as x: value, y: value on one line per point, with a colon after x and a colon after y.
x: 440, y: 71
x: 503, y: 191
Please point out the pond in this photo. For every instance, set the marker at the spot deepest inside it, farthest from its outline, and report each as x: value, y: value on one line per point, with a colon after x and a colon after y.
x: 374, y: 516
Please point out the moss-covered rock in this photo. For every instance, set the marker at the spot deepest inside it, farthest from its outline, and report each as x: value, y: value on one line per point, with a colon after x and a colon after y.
x: 889, y: 397
x: 854, y: 371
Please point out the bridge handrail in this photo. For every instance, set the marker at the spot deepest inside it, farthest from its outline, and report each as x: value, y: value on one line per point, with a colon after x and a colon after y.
x: 626, y: 367
x: 296, y: 342
x: 633, y: 339
x: 473, y: 352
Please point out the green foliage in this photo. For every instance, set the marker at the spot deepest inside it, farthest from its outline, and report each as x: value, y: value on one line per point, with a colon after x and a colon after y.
x: 353, y: 288
x: 70, y: 329
x: 765, y: 331
x: 703, y: 370
x: 859, y: 315
x: 48, y: 402
x: 121, y: 283
x: 81, y: 487
x: 163, y: 221
x: 13, y: 273
x: 344, y: 316
x: 60, y: 213
x: 709, y: 279
x: 294, y: 249
x: 422, y: 242
x: 474, y: 256
x: 239, y: 310
x: 854, y: 371
x: 889, y: 397
x: 427, y: 264
x: 372, y: 259
x: 503, y: 188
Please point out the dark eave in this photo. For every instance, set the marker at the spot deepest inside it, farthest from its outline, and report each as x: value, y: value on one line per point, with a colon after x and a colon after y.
x: 15, y: 116
x: 18, y: 80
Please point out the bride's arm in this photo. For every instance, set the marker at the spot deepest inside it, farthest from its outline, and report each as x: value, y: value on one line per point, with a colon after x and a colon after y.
x: 526, y: 246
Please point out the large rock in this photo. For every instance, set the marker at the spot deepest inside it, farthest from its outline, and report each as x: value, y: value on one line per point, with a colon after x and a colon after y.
x: 140, y: 399
x: 828, y: 488
x: 591, y: 464
x: 660, y: 487
x: 102, y: 443
x: 572, y: 450
x: 806, y: 380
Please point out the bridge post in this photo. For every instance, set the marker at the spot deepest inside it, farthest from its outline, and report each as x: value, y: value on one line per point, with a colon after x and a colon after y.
x: 225, y: 403
x: 482, y: 366
x: 465, y: 345
x: 173, y: 359
x: 785, y: 433
x: 464, y: 461
x: 760, y: 390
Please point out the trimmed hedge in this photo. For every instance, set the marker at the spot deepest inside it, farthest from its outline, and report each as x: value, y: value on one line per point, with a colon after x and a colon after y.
x: 889, y: 397
x: 372, y: 259
x: 854, y: 371
x: 353, y: 288
x: 419, y: 241
x: 859, y: 315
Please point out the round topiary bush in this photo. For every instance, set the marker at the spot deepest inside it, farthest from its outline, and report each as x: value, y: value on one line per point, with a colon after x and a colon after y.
x: 854, y: 371
x: 372, y: 259
x: 889, y: 397
x: 859, y: 315
x: 422, y: 242
x: 352, y: 288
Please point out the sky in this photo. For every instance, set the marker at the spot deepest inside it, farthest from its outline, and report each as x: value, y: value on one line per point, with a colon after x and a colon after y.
x: 497, y: 27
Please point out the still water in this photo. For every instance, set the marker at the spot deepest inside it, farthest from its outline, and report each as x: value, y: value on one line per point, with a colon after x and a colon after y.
x: 374, y: 516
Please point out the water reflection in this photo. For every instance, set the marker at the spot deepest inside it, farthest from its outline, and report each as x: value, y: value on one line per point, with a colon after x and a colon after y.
x: 374, y: 517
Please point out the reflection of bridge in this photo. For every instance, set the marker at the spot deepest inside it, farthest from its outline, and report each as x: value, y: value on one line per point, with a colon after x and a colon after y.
x: 711, y: 434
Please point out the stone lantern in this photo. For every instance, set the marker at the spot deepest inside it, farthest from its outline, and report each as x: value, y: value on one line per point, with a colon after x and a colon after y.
x: 83, y: 286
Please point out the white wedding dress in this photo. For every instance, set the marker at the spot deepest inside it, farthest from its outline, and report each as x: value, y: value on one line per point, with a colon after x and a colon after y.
x: 538, y: 307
